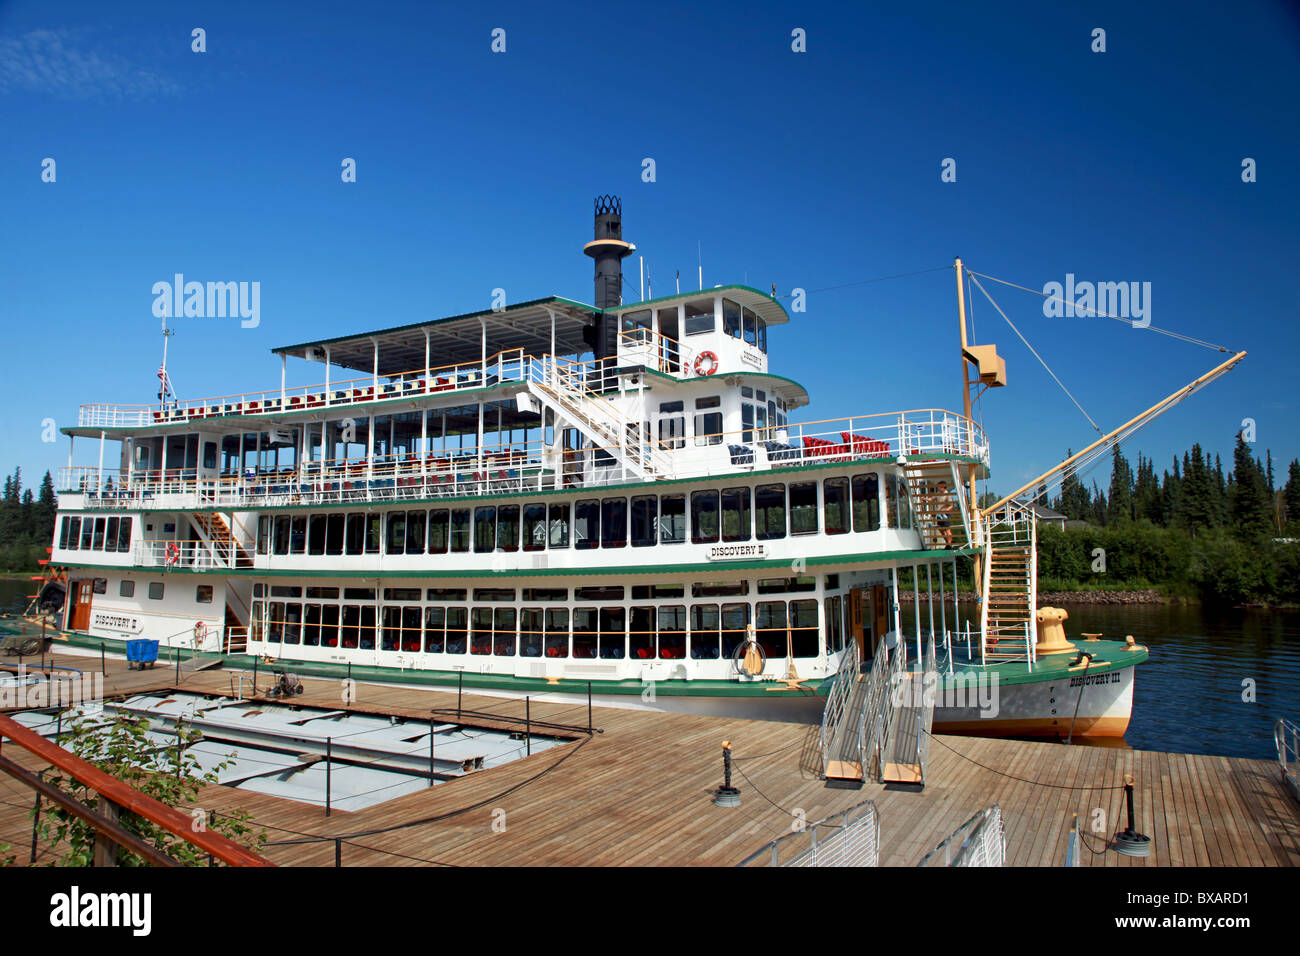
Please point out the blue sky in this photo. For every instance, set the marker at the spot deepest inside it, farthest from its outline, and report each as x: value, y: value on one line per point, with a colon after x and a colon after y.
x: 476, y: 170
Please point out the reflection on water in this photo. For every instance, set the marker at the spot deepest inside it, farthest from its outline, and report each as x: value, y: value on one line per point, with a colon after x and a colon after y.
x: 1188, y: 697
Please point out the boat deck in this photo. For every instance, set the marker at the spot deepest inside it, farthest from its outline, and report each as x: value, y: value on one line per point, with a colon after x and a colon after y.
x: 638, y: 793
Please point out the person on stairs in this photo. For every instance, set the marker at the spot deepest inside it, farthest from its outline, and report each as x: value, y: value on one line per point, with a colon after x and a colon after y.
x: 940, y: 506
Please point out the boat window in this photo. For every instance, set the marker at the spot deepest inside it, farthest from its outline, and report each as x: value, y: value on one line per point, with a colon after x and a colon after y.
x: 401, y: 594
x: 769, y: 512
x: 613, y: 523
x: 203, y: 594
x: 316, y: 534
x: 708, y: 424
x: 508, y: 528
x: 350, y: 629
x: 803, y: 507
x: 87, y: 533
x: 110, y: 535
x: 645, y: 520
x: 804, y: 629
x: 331, y: 593
x: 672, y: 632
x: 209, y: 455
x: 457, y: 630
x: 280, y: 544
x: 414, y: 532
x: 559, y: 520
x: 834, y: 624
x: 534, y: 528
x: 546, y: 594
x: 586, y: 523
x: 705, y: 633
x: 99, y: 534
x: 557, y: 632
x: 282, y: 590
x: 700, y: 317
x: 397, y: 532
x: 704, y: 517
x: 643, y: 592
x: 503, y: 631
x: 783, y: 585
x: 374, y: 528
x: 751, y: 328
x: 445, y: 594
x: 71, y: 533
x: 613, y: 633
x: 124, y: 535
x: 735, y: 622
x: 866, y: 502
x: 638, y: 320
x: 329, y: 625
x: 641, y: 636
x: 334, y: 533
x: 435, y: 623
x: 355, y: 535
x: 298, y: 534
x: 730, y: 318
x: 480, y: 638
x: 762, y: 336
x: 438, y: 531
x: 293, y: 623
x: 460, y: 529
x: 531, y: 631
x: 275, y: 621
x: 126, y: 589
x: 746, y: 422
x: 770, y: 624
x: 584, y: 632
x: 311, y: 625
x: 672, y: 519
x: 600, y: 592
x: 485, y: 529
x: 494, y: 594
x: 672, y: 425
x: 897, y: 512
x: 412, y: 618
x: 720, y: 589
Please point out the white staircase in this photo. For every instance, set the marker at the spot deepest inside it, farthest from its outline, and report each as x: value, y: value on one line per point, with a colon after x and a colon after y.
x: 1010, y: 588
x: 565, y: 392
x: 930, y: 505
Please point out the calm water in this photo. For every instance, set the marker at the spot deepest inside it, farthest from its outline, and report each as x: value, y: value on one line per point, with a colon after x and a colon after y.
x: 1188, y: 697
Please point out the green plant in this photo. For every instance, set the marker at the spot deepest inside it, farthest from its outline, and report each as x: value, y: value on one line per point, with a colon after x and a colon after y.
x: 124, y: 748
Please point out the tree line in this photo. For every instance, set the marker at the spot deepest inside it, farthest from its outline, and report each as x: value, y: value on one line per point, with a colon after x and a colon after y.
x: 26, y: 522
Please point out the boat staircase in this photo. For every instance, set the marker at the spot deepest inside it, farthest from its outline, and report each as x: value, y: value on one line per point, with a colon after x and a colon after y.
x: 857, y: 718
x: 1010, y: 588
x: 216, y: 534
x: 565, y: 392
x: 928, y: 503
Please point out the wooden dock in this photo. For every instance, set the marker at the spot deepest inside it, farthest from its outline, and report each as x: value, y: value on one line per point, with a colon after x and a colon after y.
x: 639, y: 793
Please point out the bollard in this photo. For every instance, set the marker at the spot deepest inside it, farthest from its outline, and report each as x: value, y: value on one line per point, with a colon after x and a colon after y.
x: 528, y: 726
x: 588, y: 706
x: 338, y: 852
x: 726, y: 795
x: 1129, y: 842
x: 329, y: 753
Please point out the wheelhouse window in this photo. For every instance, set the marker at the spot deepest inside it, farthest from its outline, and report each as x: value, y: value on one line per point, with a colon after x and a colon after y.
x: 700, y: 317
x: 751, y: 327
x: 730, y: 318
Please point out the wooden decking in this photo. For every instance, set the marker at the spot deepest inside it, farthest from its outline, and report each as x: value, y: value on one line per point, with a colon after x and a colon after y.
x: 639, y: 794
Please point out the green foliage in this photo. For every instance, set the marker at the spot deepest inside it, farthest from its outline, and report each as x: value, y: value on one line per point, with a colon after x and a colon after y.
x: 26, y: 523
x: 5, y: 860
x: 170, y: 774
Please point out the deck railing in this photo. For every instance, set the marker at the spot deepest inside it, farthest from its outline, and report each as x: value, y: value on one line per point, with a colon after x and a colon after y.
x: 980, y: 841
x: 848, y: 838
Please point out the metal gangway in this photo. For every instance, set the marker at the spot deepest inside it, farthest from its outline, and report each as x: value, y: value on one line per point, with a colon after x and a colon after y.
x: 858, y: 716
x: 1286, y: 735
x: 980, y: 841
x: 907, y: 744
x: 848, y: 838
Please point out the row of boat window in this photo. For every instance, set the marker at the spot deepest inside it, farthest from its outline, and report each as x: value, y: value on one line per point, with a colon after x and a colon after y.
x: 664, y: 632
x: 766, y: 512
x: 95, y: 534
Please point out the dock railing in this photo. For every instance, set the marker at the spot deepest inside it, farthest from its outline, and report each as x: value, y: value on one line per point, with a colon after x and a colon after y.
x: 1286, y: 736
x: 980, y: 841
x: 848, y: 838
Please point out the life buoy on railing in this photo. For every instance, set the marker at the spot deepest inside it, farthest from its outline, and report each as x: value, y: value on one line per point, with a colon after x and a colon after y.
x: 200, y: 633
x: 173, y: 553
x: 702, y: 358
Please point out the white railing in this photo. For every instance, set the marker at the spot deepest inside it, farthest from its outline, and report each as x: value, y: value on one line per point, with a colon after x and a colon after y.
x: 190, y: 555
x: 983, y: 842
x: 1014, y: 525
x: 848, y: 838
x: 1286, y: 736
x: 834, y: 714
x: 659, y: 352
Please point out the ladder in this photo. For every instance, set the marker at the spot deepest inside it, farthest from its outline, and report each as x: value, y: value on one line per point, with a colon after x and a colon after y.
x: 931, y: 506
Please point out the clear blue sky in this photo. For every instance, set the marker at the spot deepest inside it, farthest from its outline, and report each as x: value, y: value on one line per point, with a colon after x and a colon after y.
x: 817, y: 169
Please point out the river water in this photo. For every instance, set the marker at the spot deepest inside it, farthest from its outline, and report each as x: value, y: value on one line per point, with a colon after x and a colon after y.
x: 1215, y: 684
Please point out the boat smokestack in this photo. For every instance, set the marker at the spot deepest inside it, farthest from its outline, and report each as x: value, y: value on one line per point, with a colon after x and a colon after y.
x: 609, y: 250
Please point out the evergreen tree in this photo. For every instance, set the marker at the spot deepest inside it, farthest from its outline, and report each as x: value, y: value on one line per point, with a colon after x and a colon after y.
x: 1252, y: 517
x: 1291, y: 494
x: 1119, y: 507
x: 1196, y: 502
x: 45, y: 511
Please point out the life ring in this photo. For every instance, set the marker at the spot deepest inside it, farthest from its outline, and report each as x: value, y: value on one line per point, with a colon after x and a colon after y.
x: 200, y: 633
x: 173, y: 553
x: 699, y: 363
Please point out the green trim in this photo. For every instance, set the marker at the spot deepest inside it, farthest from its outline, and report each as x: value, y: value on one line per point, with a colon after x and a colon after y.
x: 905, y: 558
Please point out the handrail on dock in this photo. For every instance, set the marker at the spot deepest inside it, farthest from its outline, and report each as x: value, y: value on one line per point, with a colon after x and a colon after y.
x: 118, y: 796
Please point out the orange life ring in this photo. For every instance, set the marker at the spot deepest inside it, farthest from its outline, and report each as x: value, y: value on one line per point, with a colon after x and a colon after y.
x: 173, y: 553
x: 699, y: 363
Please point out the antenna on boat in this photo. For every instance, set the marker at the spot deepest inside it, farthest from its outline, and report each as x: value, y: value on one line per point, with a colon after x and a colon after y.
x: 679, y: 281
x: 642, y: 258
x: 164, y: 381
x: 699, y: 255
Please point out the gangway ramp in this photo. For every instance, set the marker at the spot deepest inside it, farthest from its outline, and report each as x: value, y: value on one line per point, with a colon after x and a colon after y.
x: 907, y: 742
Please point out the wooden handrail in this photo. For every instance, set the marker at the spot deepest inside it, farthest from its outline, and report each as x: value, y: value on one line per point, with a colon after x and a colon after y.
x: 128, y: 798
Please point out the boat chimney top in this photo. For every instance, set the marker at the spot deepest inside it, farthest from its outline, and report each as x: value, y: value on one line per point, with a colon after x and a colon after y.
x: 608, y: 249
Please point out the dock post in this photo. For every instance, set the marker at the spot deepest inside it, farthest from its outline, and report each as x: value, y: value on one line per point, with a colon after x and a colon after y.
x: 588, y: 706
x: 460, y: 689
x: 103, y: 661
x: 36, y: 815
x: 329, y: 762
x: 528, y: 726
x: 177, y: 649
x: 338, y: 852
x: 431, y: 773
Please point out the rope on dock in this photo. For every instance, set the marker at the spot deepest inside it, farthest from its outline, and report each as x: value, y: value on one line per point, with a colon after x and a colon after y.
x: 1011, y: 776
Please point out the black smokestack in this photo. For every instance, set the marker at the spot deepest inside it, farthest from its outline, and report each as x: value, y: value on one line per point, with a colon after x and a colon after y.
x: 609, y: 250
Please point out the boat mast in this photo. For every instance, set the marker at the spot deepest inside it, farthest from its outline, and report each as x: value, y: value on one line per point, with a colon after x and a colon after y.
x: 973, y: 503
